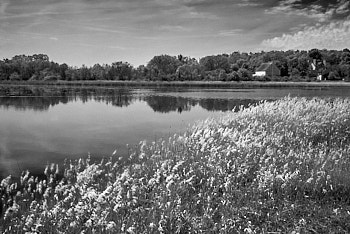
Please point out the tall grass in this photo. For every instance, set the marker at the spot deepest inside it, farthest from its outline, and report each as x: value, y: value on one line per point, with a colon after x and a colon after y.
x: 279, y: 166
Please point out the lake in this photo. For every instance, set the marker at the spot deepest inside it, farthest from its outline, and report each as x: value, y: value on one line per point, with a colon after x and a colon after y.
x: 46, y: 124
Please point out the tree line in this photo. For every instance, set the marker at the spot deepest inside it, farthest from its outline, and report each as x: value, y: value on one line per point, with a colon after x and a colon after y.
x: 237, y: 66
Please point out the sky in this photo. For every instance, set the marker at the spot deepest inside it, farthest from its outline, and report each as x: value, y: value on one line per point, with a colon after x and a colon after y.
x: 87, y: 32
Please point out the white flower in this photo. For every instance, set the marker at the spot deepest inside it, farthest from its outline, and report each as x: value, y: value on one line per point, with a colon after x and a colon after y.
x: 131, y: 230
x: 152, y: 225
x: 111, y: 226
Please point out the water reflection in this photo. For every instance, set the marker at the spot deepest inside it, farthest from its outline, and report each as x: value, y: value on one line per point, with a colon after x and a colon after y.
x: 42, y: 124
x: 42, y: 98
x: 166, y: 104
x: 212, y: 104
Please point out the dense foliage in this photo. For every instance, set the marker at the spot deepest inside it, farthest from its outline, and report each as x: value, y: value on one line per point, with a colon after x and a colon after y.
x: 279, y: 166
x: 294, y: 65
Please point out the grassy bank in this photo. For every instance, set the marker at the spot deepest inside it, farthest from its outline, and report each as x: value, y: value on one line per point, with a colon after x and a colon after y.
x: 216, y: 84
x: 277, y: 167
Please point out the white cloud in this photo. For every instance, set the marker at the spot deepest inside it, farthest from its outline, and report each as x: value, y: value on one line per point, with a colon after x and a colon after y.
x: 174, y: 28
x: 334, y: 35
x: 248, y: 3
x: 313, y: 11
x: 310, y: 12
x: 192, y: 14
x: 343, y: 7
x: 101, y: 29
x: 228, y: 33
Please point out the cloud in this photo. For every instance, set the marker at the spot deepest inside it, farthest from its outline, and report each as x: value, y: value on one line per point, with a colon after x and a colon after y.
x: 3, y: 7
x: 174, y: 28
x: 101, y: 29
x: 192, y: 14
x: 228, y: 33
x: 101, y: 46
x: 343, y: 8
x: 334, y: 35
x: 320, y: 10
x: 248, y: 3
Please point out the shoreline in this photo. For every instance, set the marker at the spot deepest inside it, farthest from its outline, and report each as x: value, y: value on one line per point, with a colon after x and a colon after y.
x: 216, y: 84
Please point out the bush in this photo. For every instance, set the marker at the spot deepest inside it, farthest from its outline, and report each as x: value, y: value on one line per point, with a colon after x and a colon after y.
x: 15, y: 76
x: 51, y: 78
x: 233, y: 76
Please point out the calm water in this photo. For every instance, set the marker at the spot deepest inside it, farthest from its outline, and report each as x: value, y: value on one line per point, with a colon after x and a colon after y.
x: 48, y: 124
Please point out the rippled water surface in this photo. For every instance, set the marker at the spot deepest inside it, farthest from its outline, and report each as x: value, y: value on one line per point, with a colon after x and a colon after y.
x: 41, y: 124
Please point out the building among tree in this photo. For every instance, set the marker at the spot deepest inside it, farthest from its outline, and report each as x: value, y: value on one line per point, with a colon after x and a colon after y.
x: 267, y: 69
x: 318, y: 67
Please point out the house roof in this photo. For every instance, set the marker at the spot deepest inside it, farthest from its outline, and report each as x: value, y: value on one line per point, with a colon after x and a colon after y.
x: 264, y: 67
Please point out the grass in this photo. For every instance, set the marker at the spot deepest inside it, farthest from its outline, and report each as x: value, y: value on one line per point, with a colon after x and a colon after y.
x: 217, y: 84
x: 277, y: 167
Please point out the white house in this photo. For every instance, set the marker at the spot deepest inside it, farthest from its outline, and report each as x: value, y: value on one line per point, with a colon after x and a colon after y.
x: 260, y: 73
x: 267, y: 69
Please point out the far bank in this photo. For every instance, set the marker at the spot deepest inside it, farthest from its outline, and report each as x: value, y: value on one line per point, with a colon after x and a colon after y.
x: 207, y: 84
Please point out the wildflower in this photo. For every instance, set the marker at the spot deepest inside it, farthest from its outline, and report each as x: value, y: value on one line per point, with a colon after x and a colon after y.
x: 29, y: 222
x: 57, y: 171
x: 131, y: 230
x: 73, y: 224
x: 88, y: 223
x: 111, y: 226
x: 309, y: 180
x: 152, y: 225
x: 152, y: 182
x: 302, y: 222
x: 248, y: 230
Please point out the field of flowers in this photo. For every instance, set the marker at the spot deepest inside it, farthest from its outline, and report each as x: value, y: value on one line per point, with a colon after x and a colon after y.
x: 277, y: 167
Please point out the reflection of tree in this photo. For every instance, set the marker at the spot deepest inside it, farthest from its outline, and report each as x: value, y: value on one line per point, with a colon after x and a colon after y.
x: 41, y: 98
x: 34, y: 103
x: 115, y: 97
x: 212, y: 104
x: 167, y: 104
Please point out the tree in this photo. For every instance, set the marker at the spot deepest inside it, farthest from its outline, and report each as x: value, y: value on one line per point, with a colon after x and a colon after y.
x: 303, y: 66
x: 120, y: 71
x: 315, y: 54
x: 345, y: 58
x: 97, y: 72
x: 222, y: 75
x: 233, y: 76
x: 332, y: 64
x: 188, y: 72
x: 62, y: 71
x: 244, y: 74
x: 163, y: 65
x: 211, y: 63
x: 15, y: 76
x: 332, y: 76
x: 84, y: 73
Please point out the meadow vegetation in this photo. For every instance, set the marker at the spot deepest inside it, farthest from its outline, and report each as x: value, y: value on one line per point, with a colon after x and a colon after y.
x: 275, y: 167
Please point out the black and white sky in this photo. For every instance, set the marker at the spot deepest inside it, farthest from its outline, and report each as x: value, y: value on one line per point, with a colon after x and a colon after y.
x: 104, y: 31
